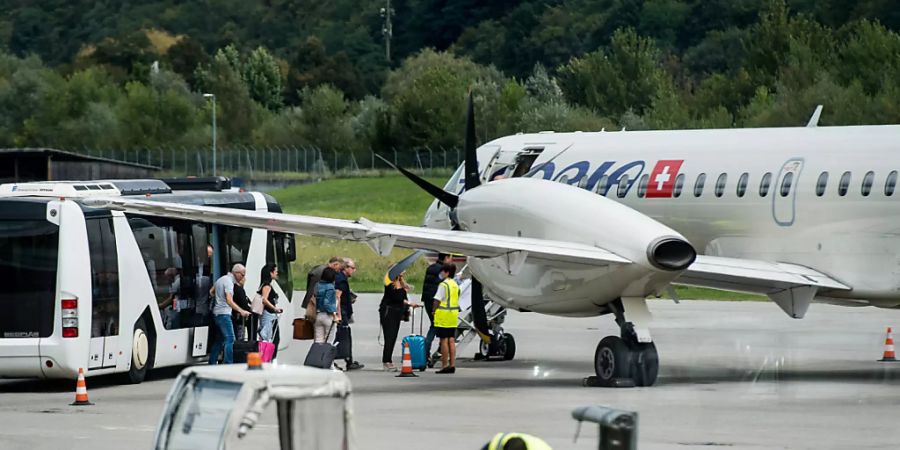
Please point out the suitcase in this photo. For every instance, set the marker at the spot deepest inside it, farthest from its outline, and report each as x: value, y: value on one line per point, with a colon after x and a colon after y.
x: 321, y: 354
x: 266, y: 351
x: 303, y: 329
x: 344, y: 341
x: 417, y: 351
x: 241, y: 348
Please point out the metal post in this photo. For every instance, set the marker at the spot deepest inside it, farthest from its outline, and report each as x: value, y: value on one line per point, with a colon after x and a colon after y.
x: 213, y: 97
x: 373, y: 158
x: 335, y: 160
x: 395, y: 156
x: 430, y: 158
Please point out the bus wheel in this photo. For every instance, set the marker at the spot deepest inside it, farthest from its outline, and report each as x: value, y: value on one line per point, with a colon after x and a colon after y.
x: 141, y: 353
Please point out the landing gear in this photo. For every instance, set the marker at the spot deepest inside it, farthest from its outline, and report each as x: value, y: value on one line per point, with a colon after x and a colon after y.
x: 502, y: 347
x: 629, y: 360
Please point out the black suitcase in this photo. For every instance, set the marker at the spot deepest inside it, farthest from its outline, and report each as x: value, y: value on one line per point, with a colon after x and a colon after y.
x: 321, y: 354
x: 242, y: 347
x: 344, y: 341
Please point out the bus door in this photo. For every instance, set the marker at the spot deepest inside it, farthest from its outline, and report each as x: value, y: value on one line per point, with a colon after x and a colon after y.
x: 104, y: 348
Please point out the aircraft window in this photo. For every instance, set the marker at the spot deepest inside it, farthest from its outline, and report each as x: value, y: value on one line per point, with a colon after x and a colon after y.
x: 563, y: 179
x: 844, y: 184
x: 868, y: 180
x: 601, y: 186
x: 764, y: 184
x: 742, y: 184
x: 642, y: 187
x: 698, y: 186
x: 786, y: 184
x: 822, y: 184
x: 890, y: 183
x: 720, y: 184
x: 623, y: 186
x: 679, y: 183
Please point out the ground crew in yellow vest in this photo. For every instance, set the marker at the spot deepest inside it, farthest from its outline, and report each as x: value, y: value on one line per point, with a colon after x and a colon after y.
x: 446, y: 317
x: 516, y: 441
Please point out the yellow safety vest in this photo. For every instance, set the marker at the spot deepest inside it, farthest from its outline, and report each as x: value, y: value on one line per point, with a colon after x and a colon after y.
x: 447, y: 313
x: 531, y: 443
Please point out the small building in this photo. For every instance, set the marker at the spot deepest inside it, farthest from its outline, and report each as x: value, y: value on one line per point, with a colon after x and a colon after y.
x: 47, y: 164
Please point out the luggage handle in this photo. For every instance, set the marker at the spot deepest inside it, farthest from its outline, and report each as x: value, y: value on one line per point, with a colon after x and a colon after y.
x: 412, y: 321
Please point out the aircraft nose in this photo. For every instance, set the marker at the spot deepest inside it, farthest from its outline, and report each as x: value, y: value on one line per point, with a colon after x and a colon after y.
x: 671, y: 253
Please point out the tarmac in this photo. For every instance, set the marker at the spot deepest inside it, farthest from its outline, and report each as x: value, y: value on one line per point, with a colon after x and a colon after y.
x: 740, y: 375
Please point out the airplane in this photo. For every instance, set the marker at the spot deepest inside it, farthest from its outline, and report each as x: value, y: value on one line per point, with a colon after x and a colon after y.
x: 592, y: 223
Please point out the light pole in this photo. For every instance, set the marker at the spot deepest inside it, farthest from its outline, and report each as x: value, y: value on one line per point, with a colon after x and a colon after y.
x: 387, y: 29
x: 213, y: 97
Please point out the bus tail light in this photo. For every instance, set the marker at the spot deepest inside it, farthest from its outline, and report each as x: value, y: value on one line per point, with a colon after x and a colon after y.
x: 69, y: 317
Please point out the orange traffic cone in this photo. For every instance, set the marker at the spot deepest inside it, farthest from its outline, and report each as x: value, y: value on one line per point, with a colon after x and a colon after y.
x: 81, y: 398
x: 889, y: 348
x: 406, y: 370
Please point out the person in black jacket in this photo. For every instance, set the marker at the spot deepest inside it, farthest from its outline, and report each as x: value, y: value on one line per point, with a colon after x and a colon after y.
x: 429, y: 289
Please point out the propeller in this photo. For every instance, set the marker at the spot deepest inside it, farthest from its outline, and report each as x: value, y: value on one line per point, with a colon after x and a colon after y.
x: 472, y: 181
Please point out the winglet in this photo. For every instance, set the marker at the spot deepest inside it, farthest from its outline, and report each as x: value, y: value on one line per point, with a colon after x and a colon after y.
x: 814, y: 120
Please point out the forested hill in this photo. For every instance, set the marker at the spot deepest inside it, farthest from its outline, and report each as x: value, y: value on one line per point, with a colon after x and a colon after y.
x: 548, y: 64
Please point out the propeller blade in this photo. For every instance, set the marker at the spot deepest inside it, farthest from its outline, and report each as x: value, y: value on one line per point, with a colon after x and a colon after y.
x: 436, y: 192
x: 479, y: 315
x: 472, y: 180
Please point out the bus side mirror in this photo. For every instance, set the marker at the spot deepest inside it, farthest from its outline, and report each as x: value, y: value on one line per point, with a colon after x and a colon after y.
x: 290, y: 247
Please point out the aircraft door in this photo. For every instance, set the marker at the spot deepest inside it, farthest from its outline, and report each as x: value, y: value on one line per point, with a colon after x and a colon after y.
x: 784, y: 192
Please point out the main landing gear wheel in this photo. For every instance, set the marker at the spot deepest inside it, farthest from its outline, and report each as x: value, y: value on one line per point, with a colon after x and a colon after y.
x: 619, y: 364
x: 510, y: 347
x: 612, y: 360
x: 141, y: 353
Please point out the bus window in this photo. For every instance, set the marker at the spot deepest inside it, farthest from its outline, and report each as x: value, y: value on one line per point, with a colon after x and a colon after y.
x: 104, y: 277
x: 235, y: 246
x: 30, y: 253
x: 278, y: 252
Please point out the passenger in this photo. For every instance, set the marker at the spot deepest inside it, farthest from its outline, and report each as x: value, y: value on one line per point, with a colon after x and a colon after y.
x: 327, y: 312
x: 393, y: 305
x: 344, y: 296
x: 446, y: 317
x: 243, y: 327
x: 516, y: 441
x: 315, y: 274
x: 269, y: 319
x: 222, y: 309
x: 429, y: 288
x: 172, y: 317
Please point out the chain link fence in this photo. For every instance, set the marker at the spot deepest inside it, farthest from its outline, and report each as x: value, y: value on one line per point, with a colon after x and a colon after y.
x: 255, y: 161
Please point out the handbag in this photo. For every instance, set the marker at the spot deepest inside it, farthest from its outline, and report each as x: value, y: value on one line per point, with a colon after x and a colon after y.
x: 303, y: 329
x: 256, y: 305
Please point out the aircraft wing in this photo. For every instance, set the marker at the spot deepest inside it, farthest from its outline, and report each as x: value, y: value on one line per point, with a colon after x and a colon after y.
x: 791, y: 286
x: 381, y: 237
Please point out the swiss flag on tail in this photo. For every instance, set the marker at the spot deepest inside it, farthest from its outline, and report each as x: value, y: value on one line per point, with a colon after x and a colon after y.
x: 662, y: 179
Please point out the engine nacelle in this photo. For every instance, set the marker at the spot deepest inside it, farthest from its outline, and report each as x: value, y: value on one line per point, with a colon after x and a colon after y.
x: 542, y: 209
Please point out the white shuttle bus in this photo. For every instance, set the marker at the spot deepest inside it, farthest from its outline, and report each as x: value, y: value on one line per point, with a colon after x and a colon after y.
x: 119, y: 293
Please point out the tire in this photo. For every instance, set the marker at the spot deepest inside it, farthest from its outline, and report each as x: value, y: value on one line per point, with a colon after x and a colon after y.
x: 510, y: 347
x: 646, y: 365
x: 143, y: 351
x: 612, y: 359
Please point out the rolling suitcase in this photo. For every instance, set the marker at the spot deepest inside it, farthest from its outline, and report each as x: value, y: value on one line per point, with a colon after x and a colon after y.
x: 244, y: 346
x: 417, y: 351
x: 321, y: 354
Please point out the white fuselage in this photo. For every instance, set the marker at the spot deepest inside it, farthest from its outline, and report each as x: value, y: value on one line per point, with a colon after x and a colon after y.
x: 849, y: 234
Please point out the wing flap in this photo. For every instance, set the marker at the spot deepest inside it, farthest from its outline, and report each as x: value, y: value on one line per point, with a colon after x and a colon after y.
x: 759, y: 277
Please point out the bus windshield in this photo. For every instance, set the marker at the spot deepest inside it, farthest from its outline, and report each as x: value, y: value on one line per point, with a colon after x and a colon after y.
x: 29, y: 250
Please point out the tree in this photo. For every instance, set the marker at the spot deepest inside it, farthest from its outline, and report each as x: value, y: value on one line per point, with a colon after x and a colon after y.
x: 264, y: 79
x: 624, y: 76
